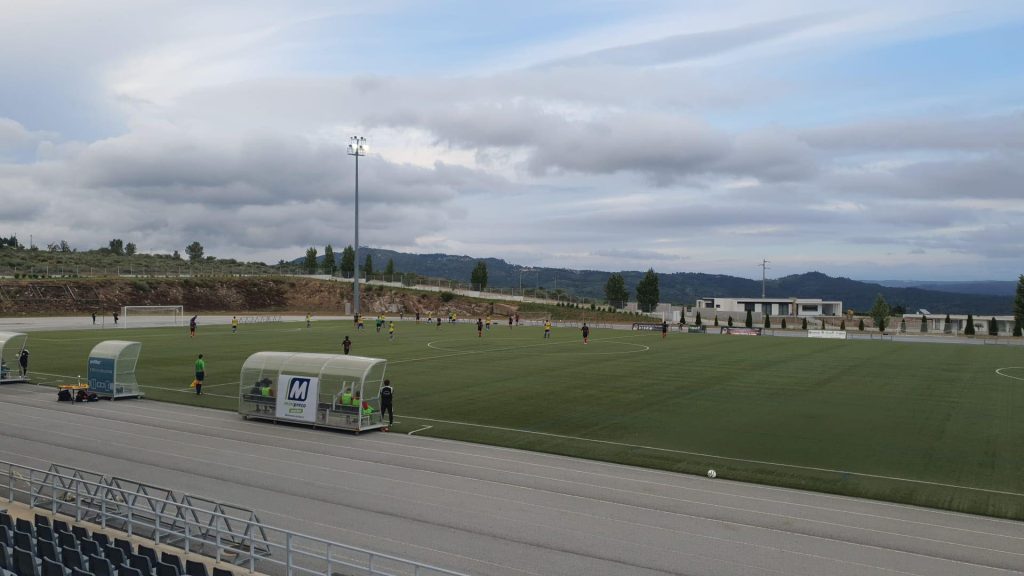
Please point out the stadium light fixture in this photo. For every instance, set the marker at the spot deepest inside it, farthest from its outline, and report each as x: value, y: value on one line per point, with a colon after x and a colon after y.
x: 356, y: 147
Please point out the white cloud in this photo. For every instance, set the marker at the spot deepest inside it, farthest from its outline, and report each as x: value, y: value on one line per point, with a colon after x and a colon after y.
x: 654, y: 138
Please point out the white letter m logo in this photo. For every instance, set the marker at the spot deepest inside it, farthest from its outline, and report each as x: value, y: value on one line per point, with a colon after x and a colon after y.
x: 298, y: 389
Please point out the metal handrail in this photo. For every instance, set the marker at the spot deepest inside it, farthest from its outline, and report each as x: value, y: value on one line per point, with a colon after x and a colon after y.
x: 300, y: 554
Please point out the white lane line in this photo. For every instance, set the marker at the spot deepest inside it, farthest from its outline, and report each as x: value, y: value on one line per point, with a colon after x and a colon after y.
x: 715, y: 456
x: 619, y: 504
x: 661, y: 473
x: 499, y: 519
x: 376, y: 537
x: 420, y: 430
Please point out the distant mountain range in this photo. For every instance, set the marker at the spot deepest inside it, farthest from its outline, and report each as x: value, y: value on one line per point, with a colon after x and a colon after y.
x: 980, y: 298
x: 988, y: 287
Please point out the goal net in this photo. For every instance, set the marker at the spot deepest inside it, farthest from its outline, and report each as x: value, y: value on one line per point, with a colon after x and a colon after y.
x: 171, y: 315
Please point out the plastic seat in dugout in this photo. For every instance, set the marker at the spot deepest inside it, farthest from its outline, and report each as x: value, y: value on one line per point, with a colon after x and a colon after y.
x: 319, y: 390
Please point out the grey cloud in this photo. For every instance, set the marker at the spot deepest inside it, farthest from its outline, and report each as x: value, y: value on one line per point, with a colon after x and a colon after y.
x: 683, y: 47
x: 1004, y: 131
x: 640, y: 255
x: 993, y: 176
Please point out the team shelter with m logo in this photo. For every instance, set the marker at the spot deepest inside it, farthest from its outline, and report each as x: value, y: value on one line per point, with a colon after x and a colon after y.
x: 319, y: 390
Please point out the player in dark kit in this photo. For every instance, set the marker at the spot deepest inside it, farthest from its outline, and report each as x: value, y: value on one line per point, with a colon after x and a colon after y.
x: 664, y: 329
x: 387, y: 393
x: 479, y: 328
x: 346, y: 344
x: 586, y: 332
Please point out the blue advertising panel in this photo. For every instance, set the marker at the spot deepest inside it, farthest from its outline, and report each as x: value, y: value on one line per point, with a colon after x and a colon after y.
x: 101, y: 375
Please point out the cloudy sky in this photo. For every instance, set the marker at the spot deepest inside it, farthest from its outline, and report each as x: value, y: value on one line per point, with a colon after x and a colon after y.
x: 862, y: 138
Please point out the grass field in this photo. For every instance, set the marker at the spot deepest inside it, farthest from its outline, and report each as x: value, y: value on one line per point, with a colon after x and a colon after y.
x: 925, y: 424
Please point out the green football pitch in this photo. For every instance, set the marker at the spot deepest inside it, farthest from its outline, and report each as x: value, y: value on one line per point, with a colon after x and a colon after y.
x: 940, y: 425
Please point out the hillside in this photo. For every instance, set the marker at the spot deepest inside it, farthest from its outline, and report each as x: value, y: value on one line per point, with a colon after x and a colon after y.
x: 987, y: 287
x: 686, y: 287
x: 258, y: 295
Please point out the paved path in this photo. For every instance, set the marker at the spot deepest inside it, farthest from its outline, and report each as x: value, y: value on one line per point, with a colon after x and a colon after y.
x: 488, y: 510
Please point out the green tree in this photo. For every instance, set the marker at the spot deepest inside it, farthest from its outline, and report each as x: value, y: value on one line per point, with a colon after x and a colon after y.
x: 729, y: 322
x: 803, y: 324
x: 129, y: 249
x: 647, y: 293
x: 390, y: 268
x: 116, y: 246
x: 330, y: 266
x: 969, y: 329
x: 924, y: 323
x: 783, y: 323
x: 749, y: 321
x: 880, y: 312
x: 348, y: 261
x: 615, y: 291
x: 860, y: 326
x: 993, y: 327
x: 310, y: 262
x: 1018, y: 307
x: 696, y: 319
x: 842, y: 324
x: 194, y: 251
x: 682, y: 317
x: 716, y: 319
x: 478, y: 278
x: 947, y: 326
x: 903, y: 325
x: 767, y: 321
x: 176, y: 255
x: 368, y: 265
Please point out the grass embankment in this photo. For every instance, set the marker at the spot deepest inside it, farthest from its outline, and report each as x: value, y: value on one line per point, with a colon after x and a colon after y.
x: 932, y: 425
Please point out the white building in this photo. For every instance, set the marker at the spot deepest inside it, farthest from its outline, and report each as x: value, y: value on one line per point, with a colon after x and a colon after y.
x: 771, y: 306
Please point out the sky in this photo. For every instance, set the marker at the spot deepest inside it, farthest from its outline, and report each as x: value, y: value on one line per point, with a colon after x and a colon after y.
x: 866, y: 139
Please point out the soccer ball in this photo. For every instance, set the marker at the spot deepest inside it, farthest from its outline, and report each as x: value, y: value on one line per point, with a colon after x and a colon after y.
x: 712, y: 474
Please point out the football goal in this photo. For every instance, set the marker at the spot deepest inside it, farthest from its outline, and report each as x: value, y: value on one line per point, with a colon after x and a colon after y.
x: 170, y: 315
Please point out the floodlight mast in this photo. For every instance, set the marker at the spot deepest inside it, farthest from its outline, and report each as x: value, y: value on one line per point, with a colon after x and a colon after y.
x: 356, y: 147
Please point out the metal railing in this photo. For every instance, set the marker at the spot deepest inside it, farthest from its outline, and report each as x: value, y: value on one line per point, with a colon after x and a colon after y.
x: 189, y: 523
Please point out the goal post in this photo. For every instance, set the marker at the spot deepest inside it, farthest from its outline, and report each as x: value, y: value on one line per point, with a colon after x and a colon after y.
x: 166, y: 315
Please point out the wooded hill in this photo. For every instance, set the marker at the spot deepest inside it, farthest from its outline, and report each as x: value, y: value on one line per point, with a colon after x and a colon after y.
x: 686, y: 287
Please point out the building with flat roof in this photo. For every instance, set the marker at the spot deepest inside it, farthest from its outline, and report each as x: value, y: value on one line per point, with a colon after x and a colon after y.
x: 773, y: 306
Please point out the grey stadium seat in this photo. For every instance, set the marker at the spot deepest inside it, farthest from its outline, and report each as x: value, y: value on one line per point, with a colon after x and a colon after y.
x: 100, y: 566
x: 193, y: 568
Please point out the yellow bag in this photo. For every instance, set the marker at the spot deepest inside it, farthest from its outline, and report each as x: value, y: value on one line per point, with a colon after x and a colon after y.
x: 195, y: 383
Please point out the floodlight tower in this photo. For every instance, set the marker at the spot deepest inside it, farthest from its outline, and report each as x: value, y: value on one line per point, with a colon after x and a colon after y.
x: 356, y: 147
x: 764, y: 268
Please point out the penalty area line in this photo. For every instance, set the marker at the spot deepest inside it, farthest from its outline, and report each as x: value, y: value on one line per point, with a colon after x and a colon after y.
x: 716, y: 456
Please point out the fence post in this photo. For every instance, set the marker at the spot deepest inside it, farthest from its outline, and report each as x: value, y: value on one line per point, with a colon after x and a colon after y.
x: 252, y: 551
x: 78, y: 501
x: 288, y: 554
x: 131, y: 521
x: 53, y: 495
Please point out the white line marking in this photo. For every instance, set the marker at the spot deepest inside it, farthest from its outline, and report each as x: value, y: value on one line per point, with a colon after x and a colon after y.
x: 1000, y: 372
x: 716, y: 456
x: 602, y: 475
x: 420, y: 430
x: 641, y: 544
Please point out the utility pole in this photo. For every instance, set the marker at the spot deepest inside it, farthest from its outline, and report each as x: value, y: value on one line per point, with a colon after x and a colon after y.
x: 764, y: 267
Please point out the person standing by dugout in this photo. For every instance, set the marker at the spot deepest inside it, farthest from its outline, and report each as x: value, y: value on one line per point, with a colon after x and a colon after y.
x: 387, y: 394
x: 200, y: 374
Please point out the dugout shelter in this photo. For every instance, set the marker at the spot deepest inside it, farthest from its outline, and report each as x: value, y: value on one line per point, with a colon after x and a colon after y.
x: 111, y: 369
x: 11, y: 345
x: 319, y: 390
